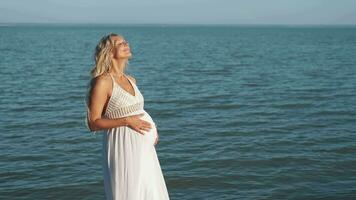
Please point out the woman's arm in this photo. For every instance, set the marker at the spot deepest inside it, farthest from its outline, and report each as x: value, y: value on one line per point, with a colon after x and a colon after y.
x: 101, y: 124
x: 99, y: 94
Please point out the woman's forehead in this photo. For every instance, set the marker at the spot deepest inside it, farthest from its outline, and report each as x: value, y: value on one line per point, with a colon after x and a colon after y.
x: 117, y: 39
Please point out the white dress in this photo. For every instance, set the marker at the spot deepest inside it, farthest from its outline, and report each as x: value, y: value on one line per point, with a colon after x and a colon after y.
x: 131, y: 167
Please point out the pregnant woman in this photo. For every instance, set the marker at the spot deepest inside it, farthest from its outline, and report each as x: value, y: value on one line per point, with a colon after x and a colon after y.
x: 114, y: 103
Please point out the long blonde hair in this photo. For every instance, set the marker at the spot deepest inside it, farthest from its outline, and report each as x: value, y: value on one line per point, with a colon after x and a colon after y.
x: 103, y: 64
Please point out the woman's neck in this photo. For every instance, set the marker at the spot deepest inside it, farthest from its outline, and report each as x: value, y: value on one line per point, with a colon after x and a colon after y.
x: 118, y: 67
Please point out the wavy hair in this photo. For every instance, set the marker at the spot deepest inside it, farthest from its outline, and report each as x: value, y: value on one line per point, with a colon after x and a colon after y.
x: 102, y: 55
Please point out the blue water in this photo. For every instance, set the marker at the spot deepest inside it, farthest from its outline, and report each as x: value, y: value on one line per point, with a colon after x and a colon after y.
x: 244, y: 112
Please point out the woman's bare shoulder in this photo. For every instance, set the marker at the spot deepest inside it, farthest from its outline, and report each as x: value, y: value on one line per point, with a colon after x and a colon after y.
x: 102, y: 81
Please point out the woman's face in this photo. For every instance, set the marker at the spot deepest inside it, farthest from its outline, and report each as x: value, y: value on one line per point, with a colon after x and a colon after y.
x: 121, y: 48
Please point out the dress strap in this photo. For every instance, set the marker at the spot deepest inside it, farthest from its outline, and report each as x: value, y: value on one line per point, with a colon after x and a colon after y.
x: 113, y: 80
x: 132, y: 83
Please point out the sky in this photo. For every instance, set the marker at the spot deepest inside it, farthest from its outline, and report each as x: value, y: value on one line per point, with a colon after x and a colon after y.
x: 180, y: 11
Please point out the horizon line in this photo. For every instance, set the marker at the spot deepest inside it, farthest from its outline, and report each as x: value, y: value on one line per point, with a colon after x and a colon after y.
x: 171, y: 24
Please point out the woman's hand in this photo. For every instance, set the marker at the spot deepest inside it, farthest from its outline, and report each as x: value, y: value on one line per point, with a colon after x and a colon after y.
x: 138, y: 124
x: 157, y: 138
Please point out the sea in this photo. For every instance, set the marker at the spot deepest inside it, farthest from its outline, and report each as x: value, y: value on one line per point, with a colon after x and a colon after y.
x: 244, y: 112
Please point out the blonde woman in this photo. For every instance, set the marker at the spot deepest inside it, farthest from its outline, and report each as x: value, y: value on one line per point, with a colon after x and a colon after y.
x: 115, y: 104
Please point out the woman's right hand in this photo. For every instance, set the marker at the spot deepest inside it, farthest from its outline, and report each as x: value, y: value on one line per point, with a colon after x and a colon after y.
x: 138, y: 124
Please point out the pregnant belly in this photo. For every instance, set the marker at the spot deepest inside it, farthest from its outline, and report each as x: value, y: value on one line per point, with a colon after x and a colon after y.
x: 150, y: 135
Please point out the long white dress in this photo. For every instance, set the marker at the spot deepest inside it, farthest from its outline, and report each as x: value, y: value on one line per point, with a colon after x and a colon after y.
x: 131, y: 167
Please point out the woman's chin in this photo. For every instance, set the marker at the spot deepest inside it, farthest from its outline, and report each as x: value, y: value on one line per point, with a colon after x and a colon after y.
x: 127, y: 56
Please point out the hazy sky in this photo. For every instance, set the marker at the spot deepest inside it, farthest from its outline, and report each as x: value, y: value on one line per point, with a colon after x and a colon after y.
x: 180, y: 11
